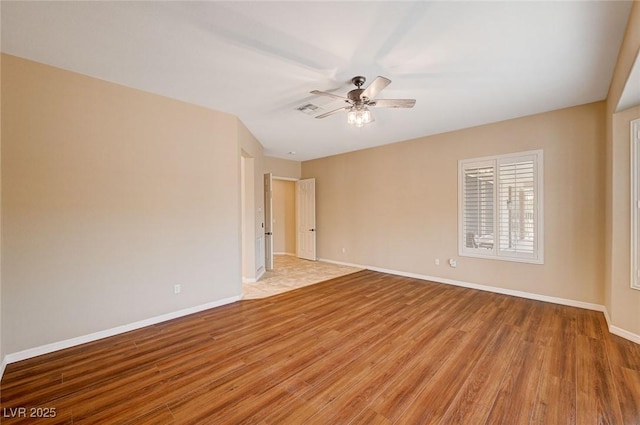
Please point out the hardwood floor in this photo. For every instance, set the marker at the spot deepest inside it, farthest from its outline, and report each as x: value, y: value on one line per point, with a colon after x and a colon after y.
x: 367, y: 348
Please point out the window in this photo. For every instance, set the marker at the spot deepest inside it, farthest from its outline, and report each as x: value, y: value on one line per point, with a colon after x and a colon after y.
x: 500, y: 207
x: 635, y: 204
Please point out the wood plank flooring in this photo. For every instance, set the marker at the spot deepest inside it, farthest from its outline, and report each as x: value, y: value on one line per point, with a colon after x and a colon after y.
x: 367, y: 348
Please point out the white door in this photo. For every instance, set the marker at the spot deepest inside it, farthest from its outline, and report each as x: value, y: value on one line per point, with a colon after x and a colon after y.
x: 306, y: 219
x: 268, y: 221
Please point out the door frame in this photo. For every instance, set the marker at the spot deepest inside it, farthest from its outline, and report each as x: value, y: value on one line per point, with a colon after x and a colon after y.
x: 268, y: 221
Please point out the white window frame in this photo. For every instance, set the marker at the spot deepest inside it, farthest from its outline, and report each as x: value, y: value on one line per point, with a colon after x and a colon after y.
x: 635, y: 203
x: 494, y: 253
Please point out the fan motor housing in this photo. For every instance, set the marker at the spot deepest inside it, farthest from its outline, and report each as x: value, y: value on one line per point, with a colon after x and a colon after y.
x: 355, y: 95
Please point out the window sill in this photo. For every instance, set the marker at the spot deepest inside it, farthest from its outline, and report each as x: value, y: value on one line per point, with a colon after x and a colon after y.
x: 503, y: 258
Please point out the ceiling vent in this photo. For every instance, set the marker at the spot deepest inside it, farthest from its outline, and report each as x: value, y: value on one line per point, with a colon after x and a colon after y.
x: 309, y: 109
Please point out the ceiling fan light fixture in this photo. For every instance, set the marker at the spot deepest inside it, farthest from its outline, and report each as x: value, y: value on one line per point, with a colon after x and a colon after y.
x: 359, y: 116
x: 360, y: 99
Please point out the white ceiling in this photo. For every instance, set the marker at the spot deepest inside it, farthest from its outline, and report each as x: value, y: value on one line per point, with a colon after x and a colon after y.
x: 466, y: 63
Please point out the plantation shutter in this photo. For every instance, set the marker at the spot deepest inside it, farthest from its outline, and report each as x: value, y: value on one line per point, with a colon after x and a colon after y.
x: 517, y: 214
x: 500, y: 212
x: 478, y: 206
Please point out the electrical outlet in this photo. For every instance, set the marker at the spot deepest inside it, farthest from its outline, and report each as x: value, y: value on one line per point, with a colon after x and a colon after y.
x: 453, y: 263
x: 437, y: 261
x: 344, y: 250
x: 177, y: 288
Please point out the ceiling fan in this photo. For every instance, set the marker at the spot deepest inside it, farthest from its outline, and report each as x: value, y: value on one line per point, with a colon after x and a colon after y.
x: 359, y: 100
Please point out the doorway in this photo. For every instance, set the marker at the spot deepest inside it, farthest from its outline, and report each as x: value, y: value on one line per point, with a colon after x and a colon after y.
x: 291, y: 217
x: 284, y: 217
x: 289, y: 226
x: 306, y: 219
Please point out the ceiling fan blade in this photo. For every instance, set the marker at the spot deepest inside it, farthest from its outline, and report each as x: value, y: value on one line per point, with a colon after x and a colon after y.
x: 393, y: 103
x: 375, y: 87
x: 324, y: 93
x: 335, y: 111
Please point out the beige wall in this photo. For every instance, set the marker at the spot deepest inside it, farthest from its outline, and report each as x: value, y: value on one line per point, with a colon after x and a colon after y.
x: 247, y: 208
x: 282, y: 167
x: 626, y: 57
x: 110, y: 197
x: 395, y: 206
x: 622, y: 302
x: 284, y: 216
x: 251, y: 149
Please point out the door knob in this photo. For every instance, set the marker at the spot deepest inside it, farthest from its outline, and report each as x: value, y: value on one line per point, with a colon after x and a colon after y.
x: 312, y: 230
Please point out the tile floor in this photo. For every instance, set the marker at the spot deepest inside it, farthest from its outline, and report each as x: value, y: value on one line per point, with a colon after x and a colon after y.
x: 290, y: 273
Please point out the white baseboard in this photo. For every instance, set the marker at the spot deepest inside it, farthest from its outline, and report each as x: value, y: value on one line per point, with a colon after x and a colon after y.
x: 624, y: 334
x: 292, y: 254
x: 261, y: 272
x: 342, y: 263
x: 619, y: 331
x: 496, y: 289
x: 3, y: 366
x: 607, y: 318
x: 48, y: 348
x: 538, y: 297
x: 72, y: 342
